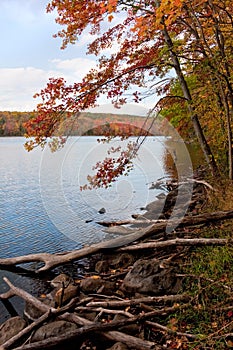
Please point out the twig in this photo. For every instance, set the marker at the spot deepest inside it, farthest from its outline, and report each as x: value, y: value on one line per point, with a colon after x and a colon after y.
x: 106, y: 311
x: 145, y: 300
x: 170, y: 331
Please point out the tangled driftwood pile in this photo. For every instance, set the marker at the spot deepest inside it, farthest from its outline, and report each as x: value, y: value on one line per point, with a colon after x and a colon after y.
x: 121, y: 303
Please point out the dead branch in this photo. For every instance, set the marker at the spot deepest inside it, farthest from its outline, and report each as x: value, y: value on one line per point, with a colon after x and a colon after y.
x: 133, y: 302
x: 170, y: 331
x: 160, y: 225
x: 102, y: 310
x: 53, y: 260
x: 180, y: 242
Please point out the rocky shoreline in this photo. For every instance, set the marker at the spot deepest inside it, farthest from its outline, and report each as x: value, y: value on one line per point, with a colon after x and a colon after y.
x: 118, y: 302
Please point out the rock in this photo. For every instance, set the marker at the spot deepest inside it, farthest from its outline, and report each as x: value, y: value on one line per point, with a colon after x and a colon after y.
x: 107, y: 288
x: 135, y: 216
x: 10, y: 328
x: 154, y: 209
x: 91, y: 285
x: 60, y: 280
x: 102, y: 211
x: 53, y: 329
x: 32, y: 313
x: 161, y: 195
x: 118, y: 346
x: 122, y: 260
x: 131, y: 329
x: 150, y: 276
x: 119, y: 261
x: 62, y: 295
x: 88, y: 315
x: 102, y: 266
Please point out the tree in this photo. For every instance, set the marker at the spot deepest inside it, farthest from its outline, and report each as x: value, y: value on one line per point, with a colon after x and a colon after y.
x: 155, y: 37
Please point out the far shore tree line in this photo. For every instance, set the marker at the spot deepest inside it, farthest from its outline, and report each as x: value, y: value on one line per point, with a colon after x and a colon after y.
x: 92, y: 124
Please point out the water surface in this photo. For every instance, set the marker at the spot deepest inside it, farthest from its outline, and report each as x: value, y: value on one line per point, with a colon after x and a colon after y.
x: 42, y: 208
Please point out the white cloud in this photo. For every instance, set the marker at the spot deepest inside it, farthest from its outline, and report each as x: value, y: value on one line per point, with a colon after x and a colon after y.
x: 74, y: 69
x: 18, y: 85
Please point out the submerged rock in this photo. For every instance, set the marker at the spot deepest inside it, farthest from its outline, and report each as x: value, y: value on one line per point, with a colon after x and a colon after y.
x: 102, y: 211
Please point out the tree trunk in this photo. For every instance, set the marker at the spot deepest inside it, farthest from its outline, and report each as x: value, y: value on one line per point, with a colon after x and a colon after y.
x: 186, y: 92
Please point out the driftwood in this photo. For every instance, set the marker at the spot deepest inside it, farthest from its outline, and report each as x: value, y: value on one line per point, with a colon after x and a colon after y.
x: 161, y: 225
x: 86, y: 325
x: 170, y: 331
x: 180, y: 242
x: 53, y: 260
x: 129, y: 222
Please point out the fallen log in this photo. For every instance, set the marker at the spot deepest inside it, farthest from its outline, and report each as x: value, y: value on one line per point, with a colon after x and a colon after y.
x: 53, y: 260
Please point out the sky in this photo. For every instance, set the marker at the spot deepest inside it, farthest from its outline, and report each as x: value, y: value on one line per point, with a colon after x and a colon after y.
x: 30, y: 55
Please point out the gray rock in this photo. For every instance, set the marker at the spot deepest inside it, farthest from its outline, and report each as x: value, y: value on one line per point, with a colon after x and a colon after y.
x: 91, y: 285
x: 10, y: 328
x: 150, y: 276
x: 102, y: 211
x: 53, y: 329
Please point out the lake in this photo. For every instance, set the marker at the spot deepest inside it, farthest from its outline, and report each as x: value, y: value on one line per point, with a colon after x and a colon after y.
x: 42, y: 208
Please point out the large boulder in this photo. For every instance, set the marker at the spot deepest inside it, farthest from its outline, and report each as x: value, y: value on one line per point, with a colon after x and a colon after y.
x: 151, y: 276
x: 10, y: 328
x: 53, y: 329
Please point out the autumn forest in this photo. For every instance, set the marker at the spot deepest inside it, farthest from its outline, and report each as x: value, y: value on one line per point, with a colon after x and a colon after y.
x: 13, y: 124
